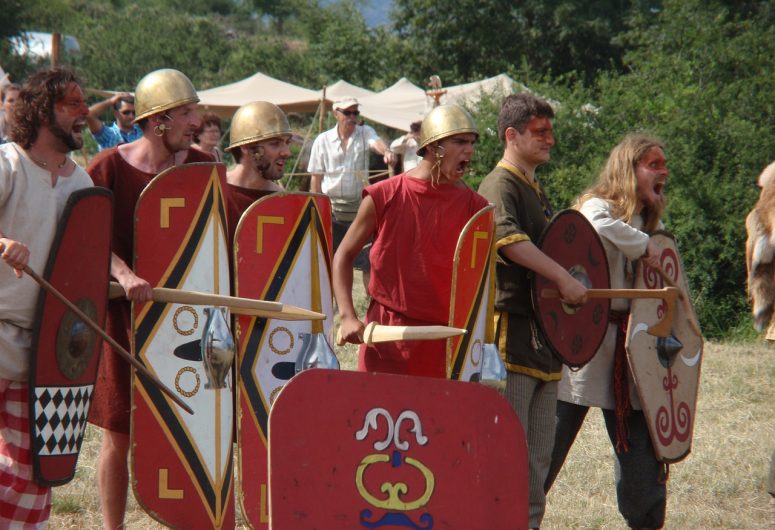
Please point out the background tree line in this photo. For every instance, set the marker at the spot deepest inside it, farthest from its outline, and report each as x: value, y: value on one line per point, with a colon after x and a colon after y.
x: 698, y: 74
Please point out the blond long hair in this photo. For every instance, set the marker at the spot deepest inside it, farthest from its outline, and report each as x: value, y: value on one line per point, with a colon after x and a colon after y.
x: 618, y: 184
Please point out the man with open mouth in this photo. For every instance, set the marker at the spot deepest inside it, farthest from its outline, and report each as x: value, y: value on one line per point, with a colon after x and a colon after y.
x: 415, y: 219
x: 36, y: 179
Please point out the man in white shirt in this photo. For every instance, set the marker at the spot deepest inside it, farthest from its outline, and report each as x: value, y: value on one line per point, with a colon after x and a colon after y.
x: 36, y: 178
x: 339, y: 164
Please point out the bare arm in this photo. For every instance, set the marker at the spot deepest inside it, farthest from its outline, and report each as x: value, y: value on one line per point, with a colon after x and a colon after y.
x: 96, y: 110
x: 357, y: 236
x: 380, y: 147
x: 525, y: 253
x: 315, y: 182
x: 137, y: 289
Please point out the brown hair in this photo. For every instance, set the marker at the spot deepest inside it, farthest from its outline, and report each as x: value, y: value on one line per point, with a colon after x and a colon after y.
x: 35, y: 106
x: 208, y: 118
x: 9, y: 88
x: 517, y: 109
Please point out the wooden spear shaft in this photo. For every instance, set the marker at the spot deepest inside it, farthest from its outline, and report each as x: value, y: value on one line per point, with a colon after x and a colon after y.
x: 128, y: 357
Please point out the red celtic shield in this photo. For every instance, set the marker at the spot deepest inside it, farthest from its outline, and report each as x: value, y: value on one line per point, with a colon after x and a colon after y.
x: 282, y: 253
x: 472, y: 296
x: 667, y: 381
x: 573, y: 333
x: 63, y: 368
x: 181, y: 463
x: 384, y: 451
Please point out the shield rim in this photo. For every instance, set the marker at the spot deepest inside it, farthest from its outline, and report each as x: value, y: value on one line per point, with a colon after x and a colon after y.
x: 535, y: 294
x: 72, y: 201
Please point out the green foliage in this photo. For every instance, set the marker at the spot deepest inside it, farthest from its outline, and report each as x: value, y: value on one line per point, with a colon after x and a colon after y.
x: 470, y: 39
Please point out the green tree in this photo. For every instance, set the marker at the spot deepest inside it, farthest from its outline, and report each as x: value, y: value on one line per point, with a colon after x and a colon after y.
x: 470, y: 39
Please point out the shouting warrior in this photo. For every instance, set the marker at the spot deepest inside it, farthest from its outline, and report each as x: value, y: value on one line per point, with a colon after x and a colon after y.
x: 165, y: 101
x: 415, y: 219
x: 624, y: 206
x: 260, y: 142
x: 36, y: 179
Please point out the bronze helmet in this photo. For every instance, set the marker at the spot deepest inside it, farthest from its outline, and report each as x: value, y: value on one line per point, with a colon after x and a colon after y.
x: 163, y: 90
x: 256, y: 121
x: 444, y: 121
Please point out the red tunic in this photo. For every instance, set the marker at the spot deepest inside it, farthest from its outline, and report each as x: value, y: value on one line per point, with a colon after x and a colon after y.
x: 238, y: 200
x: 111, y: 402
x: 418, y: 226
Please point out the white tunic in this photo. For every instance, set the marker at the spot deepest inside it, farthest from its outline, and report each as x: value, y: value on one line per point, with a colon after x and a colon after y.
x: 592, y: 385
x: 30, y: 209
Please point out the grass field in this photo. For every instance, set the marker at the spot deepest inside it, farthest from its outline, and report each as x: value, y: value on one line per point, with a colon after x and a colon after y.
x: 721, y: 485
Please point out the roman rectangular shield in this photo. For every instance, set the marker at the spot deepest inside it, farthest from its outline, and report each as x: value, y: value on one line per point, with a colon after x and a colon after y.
x: 282, y: 253
x: 63, y: 367
x: 667, y: 380
x: 181, y: 464
x: 472, y: 296
x: 369, y: 450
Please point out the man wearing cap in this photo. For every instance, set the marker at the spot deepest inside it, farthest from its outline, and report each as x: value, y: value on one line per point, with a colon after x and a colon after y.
x: 167, y: 114
x: 123, y: 130
x: 259, y: 141
x: 339, y: 164
x: 416, y: 219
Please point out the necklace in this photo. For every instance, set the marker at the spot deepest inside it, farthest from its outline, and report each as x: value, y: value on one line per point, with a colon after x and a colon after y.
x: 43, y: 163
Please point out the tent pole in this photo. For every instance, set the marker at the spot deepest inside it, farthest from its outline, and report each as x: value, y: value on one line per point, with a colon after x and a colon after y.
x: 303, y: 145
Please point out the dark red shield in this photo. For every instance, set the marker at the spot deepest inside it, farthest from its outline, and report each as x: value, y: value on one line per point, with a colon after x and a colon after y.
x: 574, y: 334
x: 282, y: 253
x: 181, y: 463
x: 63, y: 368
x: 369, y: 450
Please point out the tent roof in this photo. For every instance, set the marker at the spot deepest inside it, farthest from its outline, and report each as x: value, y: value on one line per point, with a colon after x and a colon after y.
x: 397, y: 106
x: 470, y: 93
x: 342, y: 88
x: 226, y: 99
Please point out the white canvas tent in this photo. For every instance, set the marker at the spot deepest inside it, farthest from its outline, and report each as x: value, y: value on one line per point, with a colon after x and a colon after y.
x: 397, y: 106
x: 404, y: 102
x: 225, y: 100
x: 470, y: 93
x: 342, y: 89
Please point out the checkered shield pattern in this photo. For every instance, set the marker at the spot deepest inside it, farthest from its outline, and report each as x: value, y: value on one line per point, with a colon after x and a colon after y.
x: 60, y: 419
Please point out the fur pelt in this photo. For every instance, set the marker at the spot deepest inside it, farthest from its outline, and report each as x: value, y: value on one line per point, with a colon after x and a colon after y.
x: 760, y: 251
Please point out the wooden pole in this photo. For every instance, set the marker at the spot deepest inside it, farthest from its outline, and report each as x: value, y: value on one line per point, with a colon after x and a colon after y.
x: 55, y: 49
x: 240, y: 306
x: 128, y: 357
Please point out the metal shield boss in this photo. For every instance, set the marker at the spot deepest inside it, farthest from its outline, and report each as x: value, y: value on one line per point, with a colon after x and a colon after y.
x: 666, y: 370
x: 182, y: 464
x: 573, y: 333
x: 63, y: 367
x: 283, y: 251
